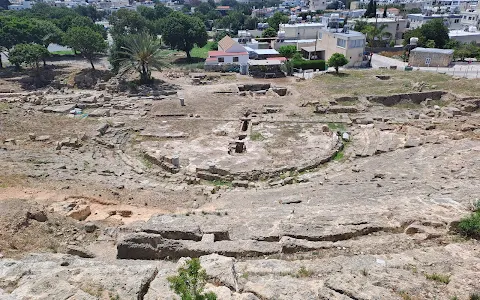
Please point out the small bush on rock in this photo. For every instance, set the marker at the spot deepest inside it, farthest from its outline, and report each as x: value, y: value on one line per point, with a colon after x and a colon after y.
x: 190, y: 281
x: 470, y: 226
x: 438, y: 277
x: 474, y: 296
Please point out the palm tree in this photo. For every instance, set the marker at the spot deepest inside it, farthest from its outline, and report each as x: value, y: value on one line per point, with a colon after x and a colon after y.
x: 377, y: 36
x: 360, y: 25
x: 142, y: 53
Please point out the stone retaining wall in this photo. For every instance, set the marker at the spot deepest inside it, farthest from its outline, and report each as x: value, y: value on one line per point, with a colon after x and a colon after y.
x: 416, y: 98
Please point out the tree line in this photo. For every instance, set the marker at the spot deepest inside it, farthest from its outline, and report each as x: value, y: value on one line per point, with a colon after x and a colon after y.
x: 25, y: 35
x: 43, y: 25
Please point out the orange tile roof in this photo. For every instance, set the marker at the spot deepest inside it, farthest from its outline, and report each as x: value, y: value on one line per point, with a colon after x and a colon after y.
x: 280, y: 58
x: 226, y: 43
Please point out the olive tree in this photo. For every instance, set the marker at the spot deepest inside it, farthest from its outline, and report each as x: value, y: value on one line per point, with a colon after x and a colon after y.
x: 29, y: 54
x: 86, y: 41
x: 337, y: 60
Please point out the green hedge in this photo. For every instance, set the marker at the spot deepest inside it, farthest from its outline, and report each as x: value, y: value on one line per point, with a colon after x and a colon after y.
x: 309, y: 64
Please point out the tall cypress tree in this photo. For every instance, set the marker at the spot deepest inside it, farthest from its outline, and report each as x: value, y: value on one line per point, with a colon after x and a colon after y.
x: 385, y: 12
x: 371, y: 9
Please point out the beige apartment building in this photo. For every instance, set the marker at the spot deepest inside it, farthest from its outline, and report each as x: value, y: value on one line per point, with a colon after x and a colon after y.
x: 349, y: 43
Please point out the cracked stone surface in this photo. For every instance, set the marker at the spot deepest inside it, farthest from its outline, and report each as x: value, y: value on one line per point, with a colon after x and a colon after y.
x: 301, y: 196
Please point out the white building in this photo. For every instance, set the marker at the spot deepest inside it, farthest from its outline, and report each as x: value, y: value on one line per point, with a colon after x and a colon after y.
x: 471, y: 18
x: 332, y: 20
x: 299, y: 31
x: 315, y: 5
x: 299, y: 35
x: 450, y: 5
x: 21, y: 6
x: 293, y: 3
x: 69, y: 4
x: 229, y: 52
x: 465, y: 36
x: 452, y: 21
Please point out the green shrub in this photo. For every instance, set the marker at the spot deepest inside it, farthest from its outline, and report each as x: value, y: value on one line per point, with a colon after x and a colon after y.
x: 256, y: 136
x: 213, y: 46
x: 470, y: 226
x: 474, y: 296
x: 190, y: 281
x: 309, y: 64
x: 438, y: 277
x: 287, y: 51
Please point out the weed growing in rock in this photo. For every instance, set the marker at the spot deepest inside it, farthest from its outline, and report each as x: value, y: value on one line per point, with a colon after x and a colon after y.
x: 336, y: 126
x: 475, y: 207
x: 303, y: 272
x: 256, y: 136
x: 404, y: 295
x: 147, y: 163
x: 116, y: 297
x: 339, y: 155
x: 474, y: 296
x: 190, y: 282
x: 221, y: 183
x: 438, y: 277
x: 4, y: 106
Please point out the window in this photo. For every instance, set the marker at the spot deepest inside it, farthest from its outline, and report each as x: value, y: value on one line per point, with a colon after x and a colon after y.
x: 221, y: 59
x: 341, y: 43
x: 235, y: 59
x: 320, y: 35
x: 398, y: 26
x: 456, y: 21
x: 356, y: 43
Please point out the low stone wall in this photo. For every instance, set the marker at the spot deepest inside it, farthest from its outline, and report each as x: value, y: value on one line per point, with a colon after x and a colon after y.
x: 346, y: 99
x: 215, y: 173
x: 172, y: 237
x: 168, y: 163
x: 222, y: 68
x: 253, y: 87
x: 154, y: 246
x: 416, y: 98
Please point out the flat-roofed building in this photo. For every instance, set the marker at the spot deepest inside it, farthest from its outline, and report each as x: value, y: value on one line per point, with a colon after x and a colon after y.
x: 430, y: 57
x: 452, y: 21
x: 347, y: 42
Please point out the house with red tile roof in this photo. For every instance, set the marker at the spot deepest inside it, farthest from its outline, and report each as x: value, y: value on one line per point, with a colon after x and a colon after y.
x: 223, y: 9
x: 229, y: 52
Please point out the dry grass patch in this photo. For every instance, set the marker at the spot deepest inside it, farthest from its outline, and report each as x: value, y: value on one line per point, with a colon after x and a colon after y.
x: 364, y: 82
